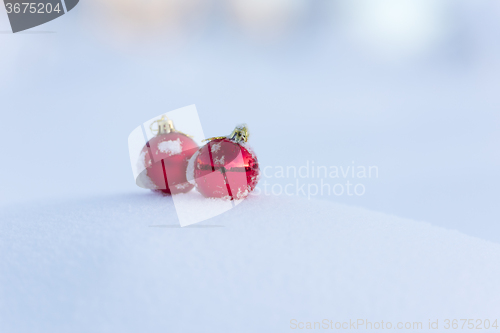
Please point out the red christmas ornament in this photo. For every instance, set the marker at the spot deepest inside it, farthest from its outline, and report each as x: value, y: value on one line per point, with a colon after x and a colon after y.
x: 226, y: 167
x: 166, y: 157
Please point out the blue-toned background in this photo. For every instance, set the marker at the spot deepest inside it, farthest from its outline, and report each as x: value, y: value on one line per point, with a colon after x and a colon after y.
x: 409, y: 86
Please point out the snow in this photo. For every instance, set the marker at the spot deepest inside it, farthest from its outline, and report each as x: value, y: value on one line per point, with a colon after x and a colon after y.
x: 122, y: 264
x: 215, y: 147
x: 141, y: 161
x: 219, y: 160
x: 190, y: 168
x: 170, y: 147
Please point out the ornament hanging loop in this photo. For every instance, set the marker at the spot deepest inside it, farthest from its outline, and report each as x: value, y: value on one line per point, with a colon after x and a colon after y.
x: 240, y: 134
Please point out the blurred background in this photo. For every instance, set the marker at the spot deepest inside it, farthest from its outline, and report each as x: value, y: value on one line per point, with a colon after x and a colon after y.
x: 411, y: 86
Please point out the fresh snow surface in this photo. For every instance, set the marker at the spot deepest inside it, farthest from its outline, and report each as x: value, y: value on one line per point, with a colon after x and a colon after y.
x: 123, y: 264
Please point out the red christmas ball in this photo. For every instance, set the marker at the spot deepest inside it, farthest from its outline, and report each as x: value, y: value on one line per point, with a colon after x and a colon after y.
x: 166, y: 157
x: 226, y: 168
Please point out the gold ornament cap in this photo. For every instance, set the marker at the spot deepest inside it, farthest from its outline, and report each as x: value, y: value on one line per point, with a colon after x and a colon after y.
x: 165, y: 126
x: 239, y: 134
